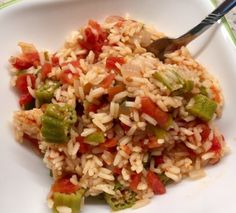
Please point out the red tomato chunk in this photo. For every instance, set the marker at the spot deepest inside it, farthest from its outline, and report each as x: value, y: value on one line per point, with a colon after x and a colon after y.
x: 155, y: 184
x: 111, y: 62
x: 94, y: 37
x: 25, y: 61
x: 151, y: 109
x: 21, y: 82
x: 135, y: 180
x: 46, y: 69
x: 64, y: 185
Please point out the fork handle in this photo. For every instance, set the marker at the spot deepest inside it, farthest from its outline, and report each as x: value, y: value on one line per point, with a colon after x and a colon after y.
x: 220, y: 11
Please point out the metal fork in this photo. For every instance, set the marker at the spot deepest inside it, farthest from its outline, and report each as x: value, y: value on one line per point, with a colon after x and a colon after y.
x: 165, y: 45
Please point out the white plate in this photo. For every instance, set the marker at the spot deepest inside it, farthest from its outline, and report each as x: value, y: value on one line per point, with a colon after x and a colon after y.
x: 24, y: 181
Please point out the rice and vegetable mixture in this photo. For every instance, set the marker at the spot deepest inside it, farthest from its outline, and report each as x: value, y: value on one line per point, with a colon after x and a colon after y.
x: 110, y: 119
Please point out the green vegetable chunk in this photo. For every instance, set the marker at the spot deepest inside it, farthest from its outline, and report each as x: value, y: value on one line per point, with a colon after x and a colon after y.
x: 96, y: 138
x: 170, y: 78
x: 202, y: 107
x: 159, y: 132
x: 164, y: 179
x: 123, y: 200
x: 72, y: 201
x: 56, y: 122
x: 186, y: 89
x: 203, y: 91
x: 44, y: 93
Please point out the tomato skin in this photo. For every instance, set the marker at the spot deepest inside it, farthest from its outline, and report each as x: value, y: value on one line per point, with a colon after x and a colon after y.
x: 25, y: 99
x: 21, y: 82
x: 33, y: 58
x: 64, y: 185
x: 205, y: 132
x: 111, y: 62
x: 55, y: 60
x: 94, y: 107
x: 73, y: 63
x: 25, y: 61
x: 116, y: 171
x: 126, y: 149
x: 151, y: 109
x: 20, y: 63
x: 109, y: 143
x: 155, y: 184
x: 94, y: 37
x: 67, y: 77
x: 125, y: 127
x: 135, y: 180
x: 216, y: 146
x: 46, y: 69
x: 152, y: 144
x: 83, y: 148
x: 158, y: 160
x: 112, y: 91
x: 108, y: 81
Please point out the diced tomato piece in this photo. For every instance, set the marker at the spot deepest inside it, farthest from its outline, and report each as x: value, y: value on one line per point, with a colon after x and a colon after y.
x: 25, y: 99
x: 46, y: 69
x: 135, y: 180
x: 155, y: 183
x: 158, y: 160
x: 116, y: 170
x: 216, y: 146
x: 126, y: 149
x: 55, y: 60
x: 73, y: 63
x: 144, y: 145
x: 64, y: 185
x: 109, y: 143
x: 67, y: 77
x: 83, y: 148
x: 94, y: 37
x: 112, y: 91
x: 21, y: 82
x: 124, y: 127
x: 33, y: 58
x: 20, y: 63
x: 152, y: 143
x: 191, y: 153
x: 25, y: 61
x: 205, y: 132
x: 108, y: 81
x: 111, y: 62
x: 93, y: 107
x: 151, y: 109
